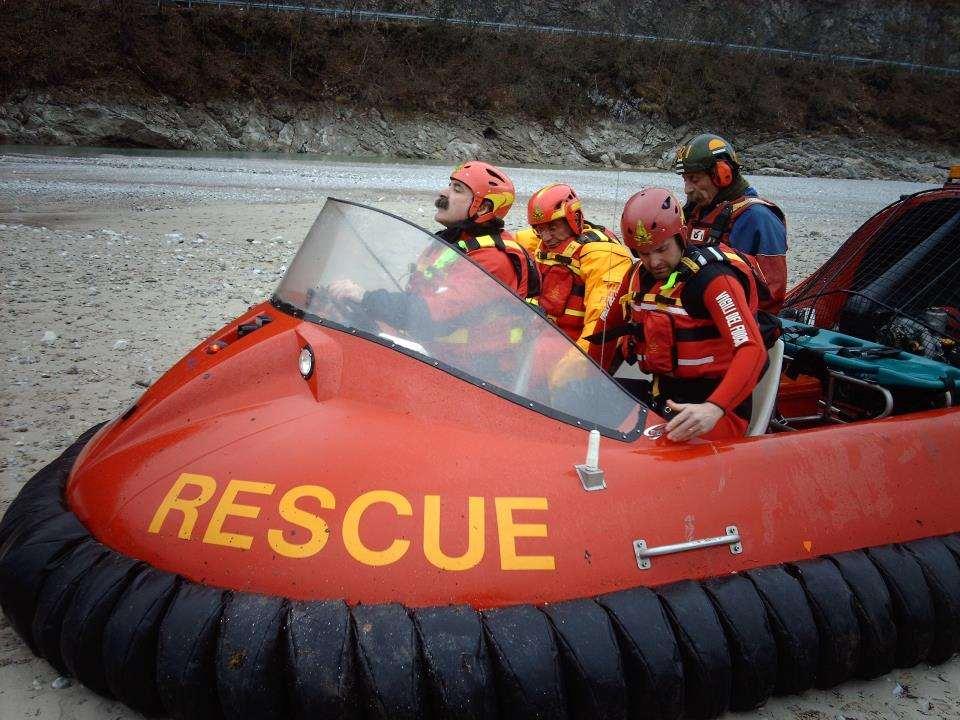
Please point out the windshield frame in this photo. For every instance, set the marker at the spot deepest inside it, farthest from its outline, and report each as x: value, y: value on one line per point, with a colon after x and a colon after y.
x: 530, y: 404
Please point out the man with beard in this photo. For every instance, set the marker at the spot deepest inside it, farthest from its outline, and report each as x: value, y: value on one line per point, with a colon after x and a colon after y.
x: 686, y: 315
x: 722, y: 207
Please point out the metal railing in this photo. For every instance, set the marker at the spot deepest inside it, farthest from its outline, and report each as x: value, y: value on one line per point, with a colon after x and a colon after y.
x: 381, y: 16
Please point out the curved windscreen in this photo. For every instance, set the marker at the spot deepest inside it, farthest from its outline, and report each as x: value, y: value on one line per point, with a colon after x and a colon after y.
x: 373, y: 273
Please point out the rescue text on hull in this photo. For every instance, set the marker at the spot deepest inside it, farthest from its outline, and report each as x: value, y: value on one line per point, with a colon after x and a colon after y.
x: 321, y: 511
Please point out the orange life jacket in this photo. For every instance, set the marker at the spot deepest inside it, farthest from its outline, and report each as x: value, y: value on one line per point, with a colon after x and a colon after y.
x: 563, y: 290
x: 671, y: 332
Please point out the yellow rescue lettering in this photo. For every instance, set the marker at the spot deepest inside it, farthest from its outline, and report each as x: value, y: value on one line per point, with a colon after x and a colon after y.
x: 187, y: 507
x: 509, y: 531
x: 215, y: 534
x: 300, y: 532
x: 351, y: 528
x: 317, y: 526
x: 431, y: 535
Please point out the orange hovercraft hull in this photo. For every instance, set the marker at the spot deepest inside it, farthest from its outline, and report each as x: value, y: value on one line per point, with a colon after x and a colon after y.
x: 235, y: 472
x: 378, y: 537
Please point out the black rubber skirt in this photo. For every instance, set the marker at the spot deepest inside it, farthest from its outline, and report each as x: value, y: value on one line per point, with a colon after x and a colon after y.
x: 167, y: 646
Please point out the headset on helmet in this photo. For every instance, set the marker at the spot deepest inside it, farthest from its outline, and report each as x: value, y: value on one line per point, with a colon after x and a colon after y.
x: 710, y: 154
x: 652, y: 216
x: 486, y: 182
x: 553, y: 202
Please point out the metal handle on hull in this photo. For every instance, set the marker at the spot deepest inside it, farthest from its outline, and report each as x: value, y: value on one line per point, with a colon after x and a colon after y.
x: 644, y: 553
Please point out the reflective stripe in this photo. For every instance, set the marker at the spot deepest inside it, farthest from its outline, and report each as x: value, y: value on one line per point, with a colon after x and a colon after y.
x: 550, y: 259
x: 696, y: 361
x: 457, y: 337
x: 664, y: 308
x: 446, y: 257
x: 462, y: 336
x: 576, y: 313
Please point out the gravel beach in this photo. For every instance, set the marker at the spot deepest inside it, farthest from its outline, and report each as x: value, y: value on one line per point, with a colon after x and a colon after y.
x: 114, y: 265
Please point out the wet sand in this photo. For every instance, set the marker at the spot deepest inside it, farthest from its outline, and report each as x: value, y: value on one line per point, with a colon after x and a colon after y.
x: 113, y: 267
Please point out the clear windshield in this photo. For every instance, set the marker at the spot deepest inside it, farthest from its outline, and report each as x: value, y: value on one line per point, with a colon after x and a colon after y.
x: 372, y: 272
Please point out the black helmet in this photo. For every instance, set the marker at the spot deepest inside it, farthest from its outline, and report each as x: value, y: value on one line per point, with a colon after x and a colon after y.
x: 702, y: 153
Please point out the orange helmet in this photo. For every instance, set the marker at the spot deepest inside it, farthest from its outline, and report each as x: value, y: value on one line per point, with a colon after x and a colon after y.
x: 651, y: 216
x: 553, y: 202
x: 486, y: 182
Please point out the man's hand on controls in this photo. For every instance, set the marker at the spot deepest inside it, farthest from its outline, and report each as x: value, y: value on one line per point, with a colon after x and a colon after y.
x: 345, y: 290
x: 692, y: 420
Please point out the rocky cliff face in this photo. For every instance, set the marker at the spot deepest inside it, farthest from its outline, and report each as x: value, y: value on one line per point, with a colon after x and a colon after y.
x: 45, y: 119
x: 917, y: 31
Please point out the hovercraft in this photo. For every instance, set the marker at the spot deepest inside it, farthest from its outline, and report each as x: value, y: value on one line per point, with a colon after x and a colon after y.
x: 320, y: 512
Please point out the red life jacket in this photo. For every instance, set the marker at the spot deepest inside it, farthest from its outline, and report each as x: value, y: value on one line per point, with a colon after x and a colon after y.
x: 714, y: 227
x: 562, y: 288
x: 528, y: 278
x: 671, y: 331
x: 477, y: 330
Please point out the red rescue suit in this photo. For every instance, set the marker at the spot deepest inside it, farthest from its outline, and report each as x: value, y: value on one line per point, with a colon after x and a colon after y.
x: 447, y: 287
x: 496, y: 252
x: 714, y: 226
x: 696, y: 333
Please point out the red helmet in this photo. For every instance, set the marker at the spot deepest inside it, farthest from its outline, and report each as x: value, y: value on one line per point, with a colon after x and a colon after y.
x: 553, y: 202
x: 651, y: 216
x: 486, y: 182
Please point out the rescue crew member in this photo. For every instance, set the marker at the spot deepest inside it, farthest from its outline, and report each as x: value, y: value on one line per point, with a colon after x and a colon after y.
x: 472, y: 208
x: 723, y: 207
x: 441, y: 300
x: 687, y: 315
x: 581, y: 264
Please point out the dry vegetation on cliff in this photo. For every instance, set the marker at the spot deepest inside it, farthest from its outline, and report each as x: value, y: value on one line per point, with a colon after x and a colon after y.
x: 115, y: 48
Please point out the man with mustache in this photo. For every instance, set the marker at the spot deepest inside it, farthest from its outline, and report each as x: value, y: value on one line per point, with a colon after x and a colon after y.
x: 471, y: 208
x: 446, y: 302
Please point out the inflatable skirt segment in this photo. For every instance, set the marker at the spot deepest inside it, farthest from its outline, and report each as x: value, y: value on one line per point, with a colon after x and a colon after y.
x: 167, y: 646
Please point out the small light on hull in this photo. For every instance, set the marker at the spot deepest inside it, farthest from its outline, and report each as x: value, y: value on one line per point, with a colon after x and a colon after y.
x: 306, y: 363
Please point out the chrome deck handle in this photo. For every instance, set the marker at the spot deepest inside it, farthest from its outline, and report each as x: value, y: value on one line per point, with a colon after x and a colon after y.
x: 644, y: 553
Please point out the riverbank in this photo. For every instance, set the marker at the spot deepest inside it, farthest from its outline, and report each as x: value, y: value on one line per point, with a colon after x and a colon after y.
x: 328, y: 130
